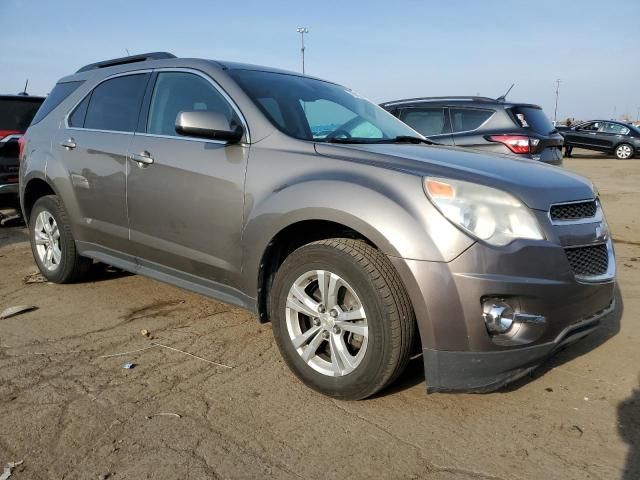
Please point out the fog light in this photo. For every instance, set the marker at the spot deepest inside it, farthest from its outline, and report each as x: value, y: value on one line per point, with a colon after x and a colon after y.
x: 498, y: 316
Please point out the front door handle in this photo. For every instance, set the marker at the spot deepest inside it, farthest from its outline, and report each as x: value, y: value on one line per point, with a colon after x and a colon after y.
x: 143, y: 158
x: 69, y: 144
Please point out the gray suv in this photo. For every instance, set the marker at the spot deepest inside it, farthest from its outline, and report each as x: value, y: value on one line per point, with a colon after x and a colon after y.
x: 303, y: 202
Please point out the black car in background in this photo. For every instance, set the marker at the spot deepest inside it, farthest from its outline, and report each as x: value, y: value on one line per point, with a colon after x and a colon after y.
x: 617, y: 138
x: 483, y: 123
x: 16, y: 113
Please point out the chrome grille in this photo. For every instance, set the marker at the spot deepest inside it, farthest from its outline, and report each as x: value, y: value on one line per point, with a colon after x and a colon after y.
x: 574, y: 211
x: 588, y: 261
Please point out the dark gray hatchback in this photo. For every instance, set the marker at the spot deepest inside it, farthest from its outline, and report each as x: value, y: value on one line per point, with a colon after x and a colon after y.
x: 489, y: 125
x: 301, y: 201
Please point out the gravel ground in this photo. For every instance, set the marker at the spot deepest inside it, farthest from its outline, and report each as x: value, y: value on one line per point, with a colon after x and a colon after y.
x: 69, y: 410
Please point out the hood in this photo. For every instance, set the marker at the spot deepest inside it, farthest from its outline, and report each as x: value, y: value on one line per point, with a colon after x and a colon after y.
x: 536, y: 184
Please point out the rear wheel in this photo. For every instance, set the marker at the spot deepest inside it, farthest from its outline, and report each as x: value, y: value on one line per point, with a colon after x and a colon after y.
x: 52, y: 243
x: 624, y: 151
x: 341, y: 318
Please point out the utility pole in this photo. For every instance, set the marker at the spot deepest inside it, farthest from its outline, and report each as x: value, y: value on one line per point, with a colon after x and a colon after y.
x: 302, y: 31
x: 555, y: 111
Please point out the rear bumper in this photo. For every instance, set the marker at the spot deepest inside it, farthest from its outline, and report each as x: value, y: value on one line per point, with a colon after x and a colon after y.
x: 479, y: 372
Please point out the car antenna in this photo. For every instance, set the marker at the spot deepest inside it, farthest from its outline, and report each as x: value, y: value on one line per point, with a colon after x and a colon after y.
x: 24, y: 92
x: 502, y: 98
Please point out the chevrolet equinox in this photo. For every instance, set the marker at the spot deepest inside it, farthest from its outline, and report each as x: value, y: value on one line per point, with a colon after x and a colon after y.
x: 324, y: 214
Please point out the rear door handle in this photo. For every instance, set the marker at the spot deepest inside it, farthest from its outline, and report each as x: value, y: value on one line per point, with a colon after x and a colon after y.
x: 143, y: 158
x: 69, y: 144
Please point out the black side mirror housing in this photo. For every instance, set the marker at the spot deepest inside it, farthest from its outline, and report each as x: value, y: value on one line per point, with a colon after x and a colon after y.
x: 209, y: 125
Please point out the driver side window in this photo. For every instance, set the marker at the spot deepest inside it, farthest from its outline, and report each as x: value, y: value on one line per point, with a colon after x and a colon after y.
x: 176, y: 92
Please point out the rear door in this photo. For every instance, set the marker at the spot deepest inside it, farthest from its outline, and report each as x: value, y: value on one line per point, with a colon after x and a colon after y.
x: 186, y: 207
x: 94, y: 144
x: 432, y: 122
x: 613, y: 133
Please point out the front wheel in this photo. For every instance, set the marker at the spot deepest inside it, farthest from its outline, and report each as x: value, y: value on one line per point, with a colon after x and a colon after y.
x: 624, y: 151
x: 341, y: 318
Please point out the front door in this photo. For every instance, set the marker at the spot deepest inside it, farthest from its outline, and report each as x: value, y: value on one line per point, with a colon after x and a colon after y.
x: 186, y: 207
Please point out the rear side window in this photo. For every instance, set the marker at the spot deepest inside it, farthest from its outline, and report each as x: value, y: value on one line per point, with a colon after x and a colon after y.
x: 115, y: 103
x: 16, y: 113
x: 534, y: 119
x: 427, y: 121
x: 59, y: 93
x: 466, y: 119
x: 76, y: 119
x: 615, y: 128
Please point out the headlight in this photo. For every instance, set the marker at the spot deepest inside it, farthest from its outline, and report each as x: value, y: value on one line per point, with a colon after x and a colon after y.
x: 485, y: 213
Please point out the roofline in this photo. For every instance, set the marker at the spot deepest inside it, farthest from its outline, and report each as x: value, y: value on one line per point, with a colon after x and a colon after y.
x: 486, y: 100
x: 448, y: 97
x: 22, y: 97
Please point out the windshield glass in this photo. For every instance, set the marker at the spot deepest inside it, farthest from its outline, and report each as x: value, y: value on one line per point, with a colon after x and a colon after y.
x: 311, y: 109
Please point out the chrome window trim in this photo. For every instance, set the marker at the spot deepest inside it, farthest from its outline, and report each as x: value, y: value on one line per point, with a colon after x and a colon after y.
x: 219, y: 89
x: 598, y: 217
x: 164, y: 69
x: 115, y: 75
x: 176, y: 137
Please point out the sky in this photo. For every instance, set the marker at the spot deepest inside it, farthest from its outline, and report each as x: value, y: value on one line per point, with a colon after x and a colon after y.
x: 384, y: 50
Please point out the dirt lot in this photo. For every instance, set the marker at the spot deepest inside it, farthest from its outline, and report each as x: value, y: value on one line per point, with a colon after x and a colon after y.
x: 67, y: 411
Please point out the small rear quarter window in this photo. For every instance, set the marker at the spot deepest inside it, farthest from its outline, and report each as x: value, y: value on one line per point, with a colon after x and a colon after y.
x: 59, y: 93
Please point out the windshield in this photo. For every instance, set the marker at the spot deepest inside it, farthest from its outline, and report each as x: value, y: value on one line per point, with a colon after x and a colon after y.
x: 311, y: 109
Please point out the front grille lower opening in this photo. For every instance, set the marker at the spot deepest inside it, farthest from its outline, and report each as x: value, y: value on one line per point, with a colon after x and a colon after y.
x: 588, y: 261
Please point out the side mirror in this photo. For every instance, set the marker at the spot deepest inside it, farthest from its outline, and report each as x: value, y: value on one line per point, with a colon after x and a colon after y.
x: 211, y: 125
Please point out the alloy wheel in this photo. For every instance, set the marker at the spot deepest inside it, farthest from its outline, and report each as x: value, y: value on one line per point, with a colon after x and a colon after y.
x: 47, y: 240
x: 623, y: 151
x: 327, y: 323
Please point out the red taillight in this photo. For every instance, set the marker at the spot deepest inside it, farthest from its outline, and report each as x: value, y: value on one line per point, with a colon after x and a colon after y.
x: 21, y: 142
x: 515, y: 143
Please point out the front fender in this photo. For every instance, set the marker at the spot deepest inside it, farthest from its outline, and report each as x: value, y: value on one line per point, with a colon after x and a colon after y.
x: 393, y: 213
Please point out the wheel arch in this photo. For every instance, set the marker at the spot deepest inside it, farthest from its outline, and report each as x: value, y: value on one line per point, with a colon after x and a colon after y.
x: 35, y: 188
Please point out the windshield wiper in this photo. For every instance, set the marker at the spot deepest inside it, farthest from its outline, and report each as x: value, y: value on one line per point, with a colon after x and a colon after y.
x: 409, y: 139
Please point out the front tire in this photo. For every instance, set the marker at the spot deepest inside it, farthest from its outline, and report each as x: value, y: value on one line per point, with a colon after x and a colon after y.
x: 624, y: 151
x: 52, y: 243
x: 341, y: 318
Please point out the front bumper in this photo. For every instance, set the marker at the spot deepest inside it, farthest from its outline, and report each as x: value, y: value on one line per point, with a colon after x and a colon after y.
x: 536, y: 277
x: 487, y: 371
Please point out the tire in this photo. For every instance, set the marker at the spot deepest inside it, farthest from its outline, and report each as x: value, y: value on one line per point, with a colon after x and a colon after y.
x: 365, y: 285
x: 50, y: 230
x: 624, y: 151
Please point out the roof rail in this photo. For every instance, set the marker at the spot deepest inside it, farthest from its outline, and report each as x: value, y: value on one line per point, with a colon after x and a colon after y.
x: 124, y: 60
x: 448, y: 97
